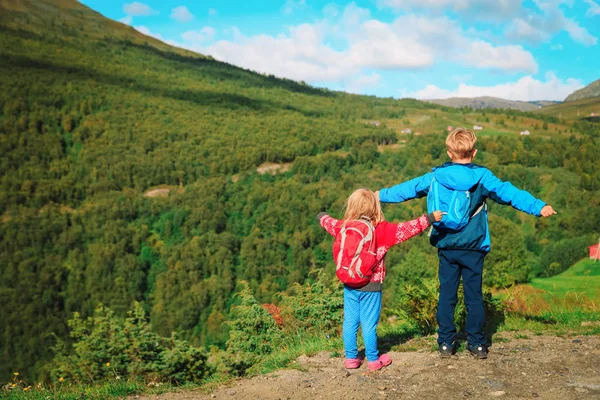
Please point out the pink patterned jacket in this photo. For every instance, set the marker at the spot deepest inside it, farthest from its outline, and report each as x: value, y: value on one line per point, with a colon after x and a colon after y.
x: 387, y: 235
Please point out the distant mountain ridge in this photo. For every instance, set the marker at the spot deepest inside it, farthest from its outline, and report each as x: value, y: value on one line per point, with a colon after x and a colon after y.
x: 590, y: 91
x: 492, y: 102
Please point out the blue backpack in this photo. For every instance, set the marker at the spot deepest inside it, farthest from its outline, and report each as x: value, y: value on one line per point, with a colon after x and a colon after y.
x: 455, y: 206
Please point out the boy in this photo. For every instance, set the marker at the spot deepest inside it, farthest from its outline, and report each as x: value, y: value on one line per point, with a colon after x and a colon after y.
x: 462, y: 252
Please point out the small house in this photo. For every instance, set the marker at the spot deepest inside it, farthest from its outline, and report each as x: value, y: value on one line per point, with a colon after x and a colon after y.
x: 525, y: 133
x: 594, y: 251
x: 477, y: 127
x: 406, y: 130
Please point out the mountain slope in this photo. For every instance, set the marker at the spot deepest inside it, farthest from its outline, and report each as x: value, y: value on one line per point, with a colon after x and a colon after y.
x: 489, y: 102
x: 590, y: 91
x: 94, y: 115
x: 97, y: 118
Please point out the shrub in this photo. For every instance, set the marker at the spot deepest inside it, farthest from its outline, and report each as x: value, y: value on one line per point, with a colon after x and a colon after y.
x: 108, y: 347
x: 253, y: 333
x: 313, y: 308
x: 559, y: 256
x: 418, y: 304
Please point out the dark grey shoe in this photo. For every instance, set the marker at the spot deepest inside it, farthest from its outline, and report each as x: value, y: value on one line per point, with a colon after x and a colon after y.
x: 446, y: 350
x: 478, y: 351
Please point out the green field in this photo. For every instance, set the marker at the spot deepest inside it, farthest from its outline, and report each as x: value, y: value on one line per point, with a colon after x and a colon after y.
x: 573, y: 109
x: 582, y: 278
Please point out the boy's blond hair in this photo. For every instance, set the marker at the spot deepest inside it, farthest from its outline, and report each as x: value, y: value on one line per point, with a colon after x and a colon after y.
x: 363, y: 203
x: 461, y: 142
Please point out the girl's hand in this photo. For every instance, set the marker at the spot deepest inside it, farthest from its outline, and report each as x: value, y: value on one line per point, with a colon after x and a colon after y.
x: 437, y: 215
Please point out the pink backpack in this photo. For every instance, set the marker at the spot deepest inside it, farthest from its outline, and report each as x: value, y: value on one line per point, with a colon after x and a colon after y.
x: 354, y: 251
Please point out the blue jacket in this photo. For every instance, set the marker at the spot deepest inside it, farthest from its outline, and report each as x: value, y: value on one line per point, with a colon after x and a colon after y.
x: 482, y: 184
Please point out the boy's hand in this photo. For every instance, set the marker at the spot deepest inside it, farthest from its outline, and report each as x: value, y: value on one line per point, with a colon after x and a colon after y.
x: 547, y: 211
x: 437, y: 215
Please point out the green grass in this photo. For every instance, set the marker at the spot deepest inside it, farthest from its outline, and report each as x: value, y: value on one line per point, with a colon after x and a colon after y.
x: 568, y: 302
x: 582, y: 278
x: 307, y: 345
x: 67, y: 391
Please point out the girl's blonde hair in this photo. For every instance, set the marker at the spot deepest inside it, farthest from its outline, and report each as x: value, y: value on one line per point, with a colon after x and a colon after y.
x: 363, y: 203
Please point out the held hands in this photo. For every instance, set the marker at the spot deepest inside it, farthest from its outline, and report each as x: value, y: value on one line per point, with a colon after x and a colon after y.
x: 547, y: 211
x: 437, y: 215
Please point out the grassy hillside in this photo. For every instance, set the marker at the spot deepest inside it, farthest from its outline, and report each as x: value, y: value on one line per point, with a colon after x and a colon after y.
x: 486, y: 102
x: 590, y: 91
x: 96, y: 116
x: 582, y: 278
x: 573, y: 110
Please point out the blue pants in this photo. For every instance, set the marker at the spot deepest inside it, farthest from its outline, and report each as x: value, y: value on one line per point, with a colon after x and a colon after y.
x: 455, y: 264
x: 361, y: 308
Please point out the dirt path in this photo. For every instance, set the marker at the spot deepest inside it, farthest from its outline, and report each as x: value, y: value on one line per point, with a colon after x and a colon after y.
x: 544, y: 367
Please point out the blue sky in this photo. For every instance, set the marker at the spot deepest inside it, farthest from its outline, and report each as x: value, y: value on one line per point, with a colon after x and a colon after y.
x: 515, y: 49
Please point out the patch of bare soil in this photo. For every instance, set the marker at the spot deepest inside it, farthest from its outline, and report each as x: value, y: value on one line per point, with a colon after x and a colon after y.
x: 162, y: 192
x: 545, y: 367
x: 273, y: 168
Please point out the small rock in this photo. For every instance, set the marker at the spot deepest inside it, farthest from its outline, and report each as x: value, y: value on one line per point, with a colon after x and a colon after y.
x: 231, y: 392
x: 346, y: 374
x: 534, y: 394
x: 580, y: 389
x: 498, y: 393
x: 214, y: 396
x: 451, y: 366
x: 382, y: 393
x: 576, y: 341
x: 523, y: 373
x: 381, y: 388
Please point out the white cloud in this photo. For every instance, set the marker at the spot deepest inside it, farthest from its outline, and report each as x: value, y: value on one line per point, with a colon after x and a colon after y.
x: 293, y: 5
x: 331, y: 10
x: 525, y: 89
x: 205, y: 34
x: 136, y: 9
x: 303, y: 52
x: 529, y: 31
x: 556, y: 47
x: 362, y: 82
x: 181, y: 14
x: 212, y: 12
x: 507, y: 58
x: 143, y: 29
x: 594, y: 8
x: 485, y: 9
x: 536, y: 27
x: 126, y: 20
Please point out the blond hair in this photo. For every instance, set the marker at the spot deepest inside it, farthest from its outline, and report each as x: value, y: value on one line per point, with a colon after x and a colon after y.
x: 363, y: 203
x: 461, y: 142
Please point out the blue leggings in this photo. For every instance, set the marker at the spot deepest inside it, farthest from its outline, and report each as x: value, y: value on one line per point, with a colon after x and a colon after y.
x: 361, y: 308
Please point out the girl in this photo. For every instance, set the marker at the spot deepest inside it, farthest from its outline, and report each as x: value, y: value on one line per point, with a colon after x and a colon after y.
x: 363, y: 305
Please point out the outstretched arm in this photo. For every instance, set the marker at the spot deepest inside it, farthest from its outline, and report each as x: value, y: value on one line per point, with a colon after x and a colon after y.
x: 397, y: 233
x: 331, y: 225
x: 506, y: 193
x: 414, y: 188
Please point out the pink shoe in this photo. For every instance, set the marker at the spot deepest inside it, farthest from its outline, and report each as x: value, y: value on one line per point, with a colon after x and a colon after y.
x: 353, y: 363
x: 383, y: 361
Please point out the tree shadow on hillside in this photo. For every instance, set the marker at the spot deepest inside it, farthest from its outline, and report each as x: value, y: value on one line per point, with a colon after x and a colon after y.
x: 226, y: 71
x: 200, y: 97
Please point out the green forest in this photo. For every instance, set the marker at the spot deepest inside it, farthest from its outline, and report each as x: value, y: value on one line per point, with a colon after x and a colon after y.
x: 95, y: 116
